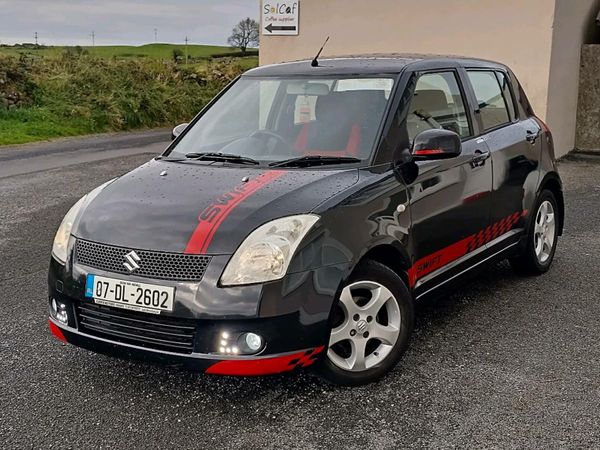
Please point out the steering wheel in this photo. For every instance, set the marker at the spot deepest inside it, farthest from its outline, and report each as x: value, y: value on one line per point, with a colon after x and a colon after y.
x: 270, y: 134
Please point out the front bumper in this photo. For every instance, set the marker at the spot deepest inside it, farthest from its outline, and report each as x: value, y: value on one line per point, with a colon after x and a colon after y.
x: 291, y: 315
x: 211, y: 364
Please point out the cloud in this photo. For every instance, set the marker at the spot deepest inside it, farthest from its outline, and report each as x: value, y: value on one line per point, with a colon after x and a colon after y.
x: 71, y: 22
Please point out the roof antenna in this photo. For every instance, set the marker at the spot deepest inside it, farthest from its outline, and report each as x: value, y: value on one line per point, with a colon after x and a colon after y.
x: 315, y: 61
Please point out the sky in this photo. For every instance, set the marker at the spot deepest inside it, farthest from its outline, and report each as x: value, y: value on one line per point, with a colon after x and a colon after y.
x: 128, y: 22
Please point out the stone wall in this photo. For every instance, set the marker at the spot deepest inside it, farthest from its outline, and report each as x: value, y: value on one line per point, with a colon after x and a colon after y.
x: 16, y: 86
x: 588, y: 108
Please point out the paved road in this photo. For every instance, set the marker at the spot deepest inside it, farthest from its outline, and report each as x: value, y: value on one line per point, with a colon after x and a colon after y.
x: 24, y: 159
x: 507, y: 362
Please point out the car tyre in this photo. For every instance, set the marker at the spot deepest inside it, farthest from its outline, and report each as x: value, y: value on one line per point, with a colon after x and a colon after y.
x: 542, y: 237
x: 372, y: 321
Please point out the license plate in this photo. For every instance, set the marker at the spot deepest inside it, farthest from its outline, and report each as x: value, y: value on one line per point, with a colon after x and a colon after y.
x: 148, y: 298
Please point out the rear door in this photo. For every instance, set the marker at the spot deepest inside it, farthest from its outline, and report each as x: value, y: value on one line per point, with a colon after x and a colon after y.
x: 515, y: 145
x: 450, y: 201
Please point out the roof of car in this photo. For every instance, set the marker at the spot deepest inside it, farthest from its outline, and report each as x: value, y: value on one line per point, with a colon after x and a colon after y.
x: 368, y: 64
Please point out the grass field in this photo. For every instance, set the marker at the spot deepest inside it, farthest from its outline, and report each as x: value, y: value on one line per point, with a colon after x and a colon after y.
x: 154, y: 51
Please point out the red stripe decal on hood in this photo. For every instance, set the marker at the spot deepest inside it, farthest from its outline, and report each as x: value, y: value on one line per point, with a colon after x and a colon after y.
x: 213, y: 216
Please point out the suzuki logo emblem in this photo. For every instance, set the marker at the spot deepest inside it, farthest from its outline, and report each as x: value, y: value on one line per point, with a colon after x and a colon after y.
x: 361, y: 326
x: 131, y: 261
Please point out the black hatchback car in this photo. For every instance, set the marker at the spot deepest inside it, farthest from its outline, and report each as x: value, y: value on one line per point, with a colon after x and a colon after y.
x: 298, y: 218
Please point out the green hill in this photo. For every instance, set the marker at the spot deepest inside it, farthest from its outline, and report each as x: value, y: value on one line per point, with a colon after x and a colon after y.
x: 153, y: 51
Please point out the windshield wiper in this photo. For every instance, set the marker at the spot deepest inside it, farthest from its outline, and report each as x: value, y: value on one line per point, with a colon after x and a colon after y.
x: 208, y: 156
x: 317, y: 160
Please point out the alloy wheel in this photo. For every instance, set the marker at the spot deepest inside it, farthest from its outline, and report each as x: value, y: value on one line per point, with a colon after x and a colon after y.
x: 544, y: 231
x: 366, y: 326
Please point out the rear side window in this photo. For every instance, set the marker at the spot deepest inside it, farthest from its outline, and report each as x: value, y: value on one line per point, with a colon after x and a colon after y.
x: 437, y: 103
x: 492, y: 107
x: 508, y: 98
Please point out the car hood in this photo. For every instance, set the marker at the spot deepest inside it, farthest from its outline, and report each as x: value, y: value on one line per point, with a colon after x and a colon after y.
x: 201, y: 208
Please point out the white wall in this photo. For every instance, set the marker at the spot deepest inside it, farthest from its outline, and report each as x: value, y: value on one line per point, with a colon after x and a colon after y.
x: 539, y: 46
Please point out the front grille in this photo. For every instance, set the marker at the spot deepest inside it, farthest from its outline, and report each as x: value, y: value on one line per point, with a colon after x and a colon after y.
x: 167, y: 266
x: 159, y: 333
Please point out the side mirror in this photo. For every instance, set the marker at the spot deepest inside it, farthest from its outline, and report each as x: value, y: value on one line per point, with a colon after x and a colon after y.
x: 405, y: 169
x: 178, y: 130
x: 436, y: 144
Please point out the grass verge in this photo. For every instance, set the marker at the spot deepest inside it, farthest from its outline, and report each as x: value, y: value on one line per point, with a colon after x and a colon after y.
x: 78, y: 94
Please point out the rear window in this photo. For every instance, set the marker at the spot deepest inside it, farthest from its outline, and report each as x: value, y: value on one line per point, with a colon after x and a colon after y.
x: 305, y: 105
x: 492, y: 107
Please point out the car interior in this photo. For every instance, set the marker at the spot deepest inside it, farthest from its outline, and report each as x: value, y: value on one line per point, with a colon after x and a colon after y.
x: 431, y: 109
x: 344, y: 124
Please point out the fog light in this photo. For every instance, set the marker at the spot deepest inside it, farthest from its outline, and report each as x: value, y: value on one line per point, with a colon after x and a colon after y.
x: 239, y: 344
x: 225, y: 346
x: 59, y: 312
x: 253, y: 341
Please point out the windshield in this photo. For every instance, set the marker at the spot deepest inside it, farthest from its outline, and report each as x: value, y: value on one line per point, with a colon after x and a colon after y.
x: 276, y: 119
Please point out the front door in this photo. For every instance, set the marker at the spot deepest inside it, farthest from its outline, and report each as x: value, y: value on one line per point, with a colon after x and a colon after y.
x: 450, y: 199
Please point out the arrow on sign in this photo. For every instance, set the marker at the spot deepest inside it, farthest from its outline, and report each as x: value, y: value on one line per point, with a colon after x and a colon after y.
x: 270, y: 28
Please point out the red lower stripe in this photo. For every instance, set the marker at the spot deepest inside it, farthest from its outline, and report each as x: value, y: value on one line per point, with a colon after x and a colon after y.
x: 213, y: 216
x: 265, y: 366
x: 431, y: 263
x: 436, y: 260
x: 56, y: 332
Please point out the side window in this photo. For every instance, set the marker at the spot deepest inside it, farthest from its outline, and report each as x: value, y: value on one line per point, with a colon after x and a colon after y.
x: 505, y: 85
x: 437, y: 103
x: 492, y: 107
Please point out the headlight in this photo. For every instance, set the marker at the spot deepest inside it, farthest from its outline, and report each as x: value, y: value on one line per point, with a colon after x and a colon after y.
x: 265, y: 255
x: 61, y: 240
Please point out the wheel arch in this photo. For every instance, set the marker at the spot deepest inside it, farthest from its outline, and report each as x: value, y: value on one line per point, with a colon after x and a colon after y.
x: 390, y: 256
x: 553, y: 183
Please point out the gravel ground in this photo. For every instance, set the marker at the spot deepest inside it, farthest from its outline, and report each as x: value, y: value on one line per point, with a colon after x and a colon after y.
x: 506, y: 362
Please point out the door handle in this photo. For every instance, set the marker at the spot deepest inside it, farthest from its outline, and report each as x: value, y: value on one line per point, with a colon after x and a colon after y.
x: 480, y: 156
x: 532, y: 136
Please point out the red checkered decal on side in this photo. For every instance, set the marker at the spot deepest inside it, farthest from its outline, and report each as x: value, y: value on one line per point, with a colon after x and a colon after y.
x: 439, y: 259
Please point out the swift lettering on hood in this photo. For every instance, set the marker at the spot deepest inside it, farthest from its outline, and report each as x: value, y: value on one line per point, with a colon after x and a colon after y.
x: 213, y: 215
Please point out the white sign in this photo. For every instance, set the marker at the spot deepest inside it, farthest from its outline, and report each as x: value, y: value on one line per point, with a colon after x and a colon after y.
x: 280, y: 18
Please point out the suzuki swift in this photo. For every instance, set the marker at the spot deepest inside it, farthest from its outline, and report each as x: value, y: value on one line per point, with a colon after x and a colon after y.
x: 301, y: 215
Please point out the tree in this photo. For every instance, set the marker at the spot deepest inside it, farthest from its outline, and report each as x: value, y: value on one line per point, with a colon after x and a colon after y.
x: 177, y: 55
x: 244, y: 34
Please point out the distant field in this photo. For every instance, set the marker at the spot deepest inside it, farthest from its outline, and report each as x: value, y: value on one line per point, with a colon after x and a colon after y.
x: 154, y: 51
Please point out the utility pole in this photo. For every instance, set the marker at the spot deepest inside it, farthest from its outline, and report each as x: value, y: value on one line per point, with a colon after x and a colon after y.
x: 156, y: 35
x: 93, y: 39
x: 186, y: 50
x: 36, y: 38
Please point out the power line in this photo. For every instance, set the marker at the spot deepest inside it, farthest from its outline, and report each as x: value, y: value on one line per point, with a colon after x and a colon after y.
x: 186, y: 50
